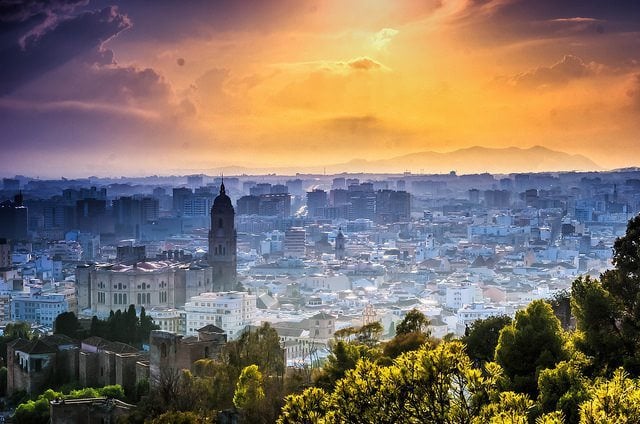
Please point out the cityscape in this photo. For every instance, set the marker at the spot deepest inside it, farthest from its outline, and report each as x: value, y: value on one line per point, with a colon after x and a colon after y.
x: 316, y: 212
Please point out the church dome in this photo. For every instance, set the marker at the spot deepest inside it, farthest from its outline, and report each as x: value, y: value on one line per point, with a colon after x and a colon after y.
x: 222, y: 200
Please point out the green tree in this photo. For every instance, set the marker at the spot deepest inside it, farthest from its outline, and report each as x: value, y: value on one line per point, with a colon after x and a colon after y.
x: 37, y: 411
x: 260, y: 347
x: 509, y: 408
x: 414, y: 322
x: 563, y: 389
x: 145, y: 325
x: 411, y: 333
x: 343, y: 357
x: 481, y: 338
x: 533, y: 342
x: 309, y: 407
x: 18, y: 330
x: 249, y: 395
x: 434, y: 385
x: 612, y: 401
x: 67, y: 323
x: 402, y: 343
x: 597, y: 316
x: 608, y: 311
x: 369, y: 334
x: 561, y: 305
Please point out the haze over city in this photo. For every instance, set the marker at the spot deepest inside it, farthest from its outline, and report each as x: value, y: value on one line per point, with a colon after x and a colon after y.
x: 114, y: 88
x: 319, y: 211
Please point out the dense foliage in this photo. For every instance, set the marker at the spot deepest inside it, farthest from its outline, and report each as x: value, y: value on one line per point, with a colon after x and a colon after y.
x: 37, y: 411
x: 126, y: 327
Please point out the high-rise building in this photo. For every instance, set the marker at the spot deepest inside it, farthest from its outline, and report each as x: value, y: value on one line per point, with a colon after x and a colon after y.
x: 393, y: 206
x: 222, y: 243
x: 295, y: 242
x: 14, y: 219
x: 5, y: 254
x: 316, y: 203
x: 180, y: 194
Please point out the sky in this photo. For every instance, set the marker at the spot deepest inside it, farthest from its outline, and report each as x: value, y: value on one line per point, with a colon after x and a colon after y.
x: 92, y: 87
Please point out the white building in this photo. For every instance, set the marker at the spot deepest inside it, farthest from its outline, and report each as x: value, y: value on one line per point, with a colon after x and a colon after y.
x: 230, y: 311
x: 456, y: 296
x: 332, y: 283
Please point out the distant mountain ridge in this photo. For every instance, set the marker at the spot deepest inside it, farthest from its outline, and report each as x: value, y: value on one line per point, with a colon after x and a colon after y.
x: 471, y: 160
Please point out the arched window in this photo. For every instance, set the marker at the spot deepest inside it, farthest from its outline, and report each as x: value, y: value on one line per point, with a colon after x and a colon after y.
x: 220, y: 223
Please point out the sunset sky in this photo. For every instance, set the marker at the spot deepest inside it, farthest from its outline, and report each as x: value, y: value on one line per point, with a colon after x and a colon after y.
x: 161, y: 87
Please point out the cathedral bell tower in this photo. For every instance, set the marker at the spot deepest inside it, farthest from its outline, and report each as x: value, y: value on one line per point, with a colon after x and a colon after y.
x: 222, y: 243
x: 340, y: 250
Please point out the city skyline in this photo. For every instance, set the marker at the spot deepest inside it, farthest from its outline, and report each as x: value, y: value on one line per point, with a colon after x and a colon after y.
x: 113, y: 88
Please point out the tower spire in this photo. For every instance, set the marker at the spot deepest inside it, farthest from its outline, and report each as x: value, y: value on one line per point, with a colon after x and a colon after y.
x: 222, y: 190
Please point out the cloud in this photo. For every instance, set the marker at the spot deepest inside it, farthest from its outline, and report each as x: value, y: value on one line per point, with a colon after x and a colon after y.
x: 20, y: 11
x: 382, y: 38
x: 364, y: 64
x: 560, y: 73
x: 328, y: 85
x: 51, y: 47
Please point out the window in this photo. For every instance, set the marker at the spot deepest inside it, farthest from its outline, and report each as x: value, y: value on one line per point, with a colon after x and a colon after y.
x: 220, y: 223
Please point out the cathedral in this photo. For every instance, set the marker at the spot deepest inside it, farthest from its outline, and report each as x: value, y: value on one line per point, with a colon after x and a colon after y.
x: 222, y: 243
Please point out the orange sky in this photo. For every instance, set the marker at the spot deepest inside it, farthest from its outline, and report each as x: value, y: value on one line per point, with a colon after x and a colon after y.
x: 285, y: 83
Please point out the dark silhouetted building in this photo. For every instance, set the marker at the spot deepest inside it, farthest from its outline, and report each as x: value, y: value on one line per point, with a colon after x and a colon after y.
x: 393, y: 206
x: 14, y: 219
x: 316, y: 203
x: 222, y: 243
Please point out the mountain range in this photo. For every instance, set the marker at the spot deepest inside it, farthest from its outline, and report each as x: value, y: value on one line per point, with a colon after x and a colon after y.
x: 470, y: 160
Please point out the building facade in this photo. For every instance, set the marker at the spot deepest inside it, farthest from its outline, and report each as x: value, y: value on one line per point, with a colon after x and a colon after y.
x: 230, y: 311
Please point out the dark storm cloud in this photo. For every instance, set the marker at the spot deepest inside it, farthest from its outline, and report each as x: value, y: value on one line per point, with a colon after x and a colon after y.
x: 47, y: 47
